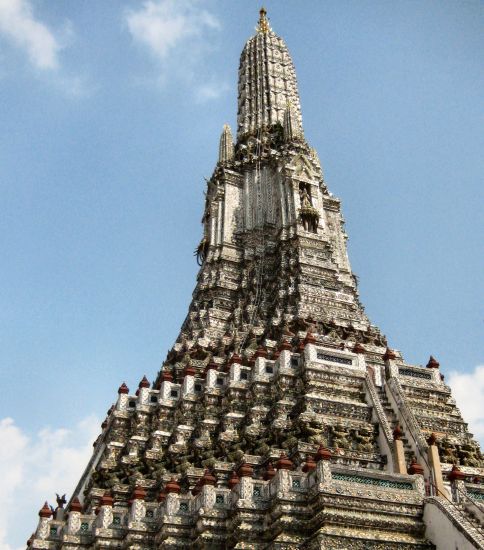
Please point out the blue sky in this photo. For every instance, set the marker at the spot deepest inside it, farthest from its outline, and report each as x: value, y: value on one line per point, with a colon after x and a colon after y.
x: 111, y: 114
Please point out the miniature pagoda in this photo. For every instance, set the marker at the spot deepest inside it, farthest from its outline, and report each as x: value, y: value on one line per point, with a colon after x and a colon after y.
x: 280, y: 418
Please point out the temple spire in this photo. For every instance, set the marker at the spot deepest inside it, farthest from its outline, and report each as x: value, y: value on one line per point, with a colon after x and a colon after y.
x: 267, y: 81
x: 275, y: 355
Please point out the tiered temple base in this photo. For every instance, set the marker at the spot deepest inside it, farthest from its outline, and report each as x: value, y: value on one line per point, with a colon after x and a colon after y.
x: 349, y: 492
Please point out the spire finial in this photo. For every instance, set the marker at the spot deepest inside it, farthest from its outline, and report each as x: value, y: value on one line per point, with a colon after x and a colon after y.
x: 263, y: 24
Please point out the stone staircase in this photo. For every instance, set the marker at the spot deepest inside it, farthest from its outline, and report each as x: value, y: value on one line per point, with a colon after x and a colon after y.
x: 464, y: 515
x: 466, y: 530
x: 393, y: 421
x: 468, y: 510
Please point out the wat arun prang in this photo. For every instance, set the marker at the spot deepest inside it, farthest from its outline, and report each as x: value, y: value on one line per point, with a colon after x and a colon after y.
x: 280, y: 418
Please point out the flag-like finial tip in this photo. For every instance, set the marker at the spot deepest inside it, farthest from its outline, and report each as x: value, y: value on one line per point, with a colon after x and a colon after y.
x: 263, y: 25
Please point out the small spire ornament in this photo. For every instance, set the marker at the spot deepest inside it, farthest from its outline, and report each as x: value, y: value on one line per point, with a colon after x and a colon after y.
x: 263, y: 23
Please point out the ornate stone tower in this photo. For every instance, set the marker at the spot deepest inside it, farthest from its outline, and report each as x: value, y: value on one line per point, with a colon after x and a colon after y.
x: 280, y: 418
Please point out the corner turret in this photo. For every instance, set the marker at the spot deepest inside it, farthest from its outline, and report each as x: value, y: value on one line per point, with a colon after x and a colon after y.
x: 292, y: 128
x: 226, y: 147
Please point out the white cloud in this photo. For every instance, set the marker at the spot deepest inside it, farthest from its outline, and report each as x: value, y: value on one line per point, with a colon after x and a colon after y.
x: 468, y: 391
x: 177, y: 33
x: 163, y: 25
x: 20, y: 27
x: 36, y: 468
x: 211, y: 90
x: 18, y: 24
x: 76, y: 86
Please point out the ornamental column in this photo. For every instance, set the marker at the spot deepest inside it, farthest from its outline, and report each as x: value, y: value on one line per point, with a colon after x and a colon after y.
x: 399, y: 464
x: 435, y: 469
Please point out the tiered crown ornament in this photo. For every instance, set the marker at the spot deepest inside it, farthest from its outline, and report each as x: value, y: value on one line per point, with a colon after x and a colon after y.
x: 280, y: 418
